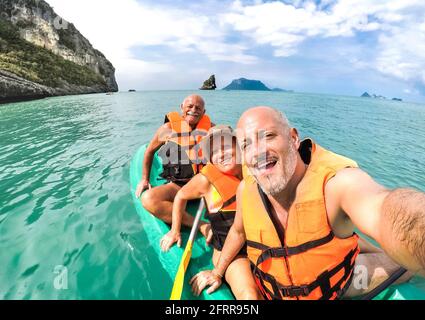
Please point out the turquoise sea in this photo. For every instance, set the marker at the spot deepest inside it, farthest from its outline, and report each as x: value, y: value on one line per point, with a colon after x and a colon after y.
x: 68, y: 227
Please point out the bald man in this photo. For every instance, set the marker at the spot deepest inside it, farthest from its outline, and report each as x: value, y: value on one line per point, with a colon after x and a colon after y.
x: 177, y: 142
x: 298, y: 211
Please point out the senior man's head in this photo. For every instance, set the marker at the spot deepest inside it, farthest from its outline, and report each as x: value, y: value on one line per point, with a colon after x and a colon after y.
x: 193, y: 108
x: 269, y: 147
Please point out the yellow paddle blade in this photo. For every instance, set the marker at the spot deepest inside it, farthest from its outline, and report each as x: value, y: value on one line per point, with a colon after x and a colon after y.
x: 176, y: 293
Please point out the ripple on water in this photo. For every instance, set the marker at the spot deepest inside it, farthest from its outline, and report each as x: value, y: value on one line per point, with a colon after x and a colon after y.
x: 30, y: 271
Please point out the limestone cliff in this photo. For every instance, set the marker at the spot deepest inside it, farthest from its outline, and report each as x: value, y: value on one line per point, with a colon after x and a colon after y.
x: 43, y: 55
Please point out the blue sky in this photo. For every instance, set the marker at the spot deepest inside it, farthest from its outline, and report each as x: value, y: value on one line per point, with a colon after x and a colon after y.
x: 331, y: 46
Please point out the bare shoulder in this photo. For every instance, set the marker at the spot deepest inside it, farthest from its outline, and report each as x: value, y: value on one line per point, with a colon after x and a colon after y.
x: 164, y: 127
x: 341, y: 193
x: 201, y: 180
x: 199, y: 185
x: 349, y: 179
x: 353, y: 198
x: 164, y: 132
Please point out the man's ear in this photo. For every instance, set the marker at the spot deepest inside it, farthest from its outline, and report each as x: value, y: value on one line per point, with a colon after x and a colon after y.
x: 295, y: 137
x: 181, y: 107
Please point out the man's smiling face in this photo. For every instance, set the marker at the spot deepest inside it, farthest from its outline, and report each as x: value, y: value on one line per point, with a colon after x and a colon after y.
x: 267, y: 148
x: 193, y: 108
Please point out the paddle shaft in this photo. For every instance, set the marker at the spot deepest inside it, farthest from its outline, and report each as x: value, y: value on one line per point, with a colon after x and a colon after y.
x: 176, y: 292
x: 197, y: 221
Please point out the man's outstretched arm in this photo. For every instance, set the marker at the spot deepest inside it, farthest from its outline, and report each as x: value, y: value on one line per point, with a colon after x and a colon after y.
x: 395, y: 219
x: 402, y: 229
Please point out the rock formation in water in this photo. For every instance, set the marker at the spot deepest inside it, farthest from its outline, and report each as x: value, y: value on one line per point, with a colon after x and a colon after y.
x: 367, y: 95
x: 246, y: 84
x: 43, y: 55
x: 209, y: 84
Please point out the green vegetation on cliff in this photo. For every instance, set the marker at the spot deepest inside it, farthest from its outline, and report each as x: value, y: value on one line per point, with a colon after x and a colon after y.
x: 38, y: 64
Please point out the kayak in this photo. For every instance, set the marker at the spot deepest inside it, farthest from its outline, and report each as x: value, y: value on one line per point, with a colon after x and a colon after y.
x: 202, y: 253
x: 155, y: 229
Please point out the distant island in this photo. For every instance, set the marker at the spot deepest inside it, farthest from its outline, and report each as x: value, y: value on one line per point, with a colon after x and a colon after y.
x: 374, y: 96
x: 282, y: 90
x: 209, y: 84
x: 246, y: 84
x: 43, y: 55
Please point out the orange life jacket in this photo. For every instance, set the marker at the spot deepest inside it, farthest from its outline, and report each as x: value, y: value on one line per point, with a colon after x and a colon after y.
x: 183, y: 143
x: 221, y: 202
x: 304, y: 260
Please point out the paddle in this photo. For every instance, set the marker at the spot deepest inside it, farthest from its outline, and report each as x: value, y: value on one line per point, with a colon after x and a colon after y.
x: 176, y: 293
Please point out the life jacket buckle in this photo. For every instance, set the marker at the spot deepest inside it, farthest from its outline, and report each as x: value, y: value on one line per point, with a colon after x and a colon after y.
x: 295, y: 291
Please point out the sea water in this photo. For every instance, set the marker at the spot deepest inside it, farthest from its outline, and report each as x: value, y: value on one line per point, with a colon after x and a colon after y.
x: 68, y: 227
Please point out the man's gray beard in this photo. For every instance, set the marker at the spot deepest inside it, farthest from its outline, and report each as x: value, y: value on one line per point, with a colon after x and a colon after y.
x: 275, y: 187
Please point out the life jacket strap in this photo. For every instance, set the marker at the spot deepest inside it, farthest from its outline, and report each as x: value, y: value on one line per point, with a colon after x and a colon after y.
x: 323, y: 281
x: 284, y: 252
x: 229, y: 202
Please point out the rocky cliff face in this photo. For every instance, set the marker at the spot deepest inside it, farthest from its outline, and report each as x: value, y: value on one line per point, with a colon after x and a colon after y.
x: 36, y: 23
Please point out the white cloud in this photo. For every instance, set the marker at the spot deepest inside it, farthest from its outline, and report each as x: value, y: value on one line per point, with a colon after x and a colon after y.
x: 285, y: 26
x: 402, y: 53
x: 400, y: 50
x: 116, y: 27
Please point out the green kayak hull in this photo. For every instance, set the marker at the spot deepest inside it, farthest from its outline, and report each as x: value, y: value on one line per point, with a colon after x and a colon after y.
x: 201, y: 253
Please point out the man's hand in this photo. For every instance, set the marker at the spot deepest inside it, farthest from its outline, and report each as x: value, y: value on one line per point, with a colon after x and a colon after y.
x: 169, y: 239
x: 203, y: 279
x: 142, y: 186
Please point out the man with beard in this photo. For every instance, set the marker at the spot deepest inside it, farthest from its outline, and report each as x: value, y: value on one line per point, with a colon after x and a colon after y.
x: 298, y: 209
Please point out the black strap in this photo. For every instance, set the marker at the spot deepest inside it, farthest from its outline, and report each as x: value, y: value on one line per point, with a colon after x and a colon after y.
x: 229, y: 202
x: 180, y: 134
x: 322, y: 281
x: 268, y: 206
x: 284, y: 252
x: 257, y: 245
x: 310, y: 245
